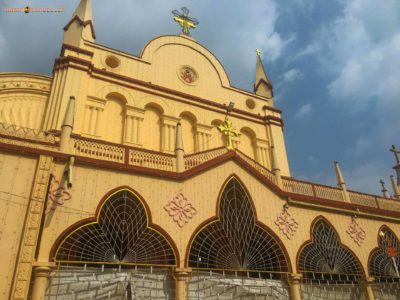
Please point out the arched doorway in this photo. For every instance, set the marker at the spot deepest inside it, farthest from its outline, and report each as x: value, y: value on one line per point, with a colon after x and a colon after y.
x: 236, y: 256
x: 330, y: 270
x: 384, y: 265
x: 116, y: 255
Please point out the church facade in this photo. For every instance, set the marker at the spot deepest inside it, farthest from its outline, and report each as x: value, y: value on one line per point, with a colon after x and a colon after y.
x: 135, y: 177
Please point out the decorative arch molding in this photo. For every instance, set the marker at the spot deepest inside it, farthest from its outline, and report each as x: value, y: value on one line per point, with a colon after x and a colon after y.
x: 160, y: 103
x: 384, y: 260
x: 112, y: 89
x: 120, y: 233
x: 234, y: 239
x: 167, y: 40
x: 324, y: 253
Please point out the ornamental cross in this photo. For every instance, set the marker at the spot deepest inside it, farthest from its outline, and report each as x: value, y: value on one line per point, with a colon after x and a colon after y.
x: 184, y: 20
x: 229, y: 131
x: 396, y: 153
x: 258, y: 51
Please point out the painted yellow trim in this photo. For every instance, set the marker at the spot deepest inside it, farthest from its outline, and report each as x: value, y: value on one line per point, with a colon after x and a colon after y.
x: 97, y: 221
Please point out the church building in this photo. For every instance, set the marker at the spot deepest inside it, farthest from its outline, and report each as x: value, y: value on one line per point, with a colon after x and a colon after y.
x: 152, y: 177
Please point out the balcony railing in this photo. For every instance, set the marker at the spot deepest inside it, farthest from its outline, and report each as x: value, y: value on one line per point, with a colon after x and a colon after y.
x: 132, y: 156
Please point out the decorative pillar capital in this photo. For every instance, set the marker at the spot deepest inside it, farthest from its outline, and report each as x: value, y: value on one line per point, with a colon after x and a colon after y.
x: 295, y: 277
x: 182, y: 274
x: 41, y: 272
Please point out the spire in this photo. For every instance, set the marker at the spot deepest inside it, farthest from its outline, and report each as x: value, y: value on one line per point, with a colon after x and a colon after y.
x: 262, y: 85
x: 80, y: 27
x: 396, y: 191
x: 340, y: 182
x: 384, y: 189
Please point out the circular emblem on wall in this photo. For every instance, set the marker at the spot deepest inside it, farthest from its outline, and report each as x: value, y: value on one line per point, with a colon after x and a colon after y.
x: 188, y: 75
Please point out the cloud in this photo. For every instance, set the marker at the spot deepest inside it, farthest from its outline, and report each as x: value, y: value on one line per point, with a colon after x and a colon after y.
x: 358, y: 54
x: 292, y: 75
x: 304, y: 111
x: 231, y: 32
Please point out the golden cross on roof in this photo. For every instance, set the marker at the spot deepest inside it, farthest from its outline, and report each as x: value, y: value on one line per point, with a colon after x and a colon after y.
x: 229, y: 131
x: 258, y: 51
x: 184, y: 20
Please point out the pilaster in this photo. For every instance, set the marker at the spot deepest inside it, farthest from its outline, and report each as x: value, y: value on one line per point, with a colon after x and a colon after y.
x: 263, y: 153
x: 203, y: 137
x: 133, y: 126
x: 33, y: 220
x: 168, y: 133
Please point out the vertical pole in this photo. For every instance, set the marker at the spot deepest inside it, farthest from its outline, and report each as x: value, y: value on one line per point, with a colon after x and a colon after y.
x: 179, y: 152
x: 68, y: 124
x: 368, y: 286
x: 40, y: 277
x: 341, y: 183
x: 275, y: 168
x: 294, y: 282
x: 182, y: 276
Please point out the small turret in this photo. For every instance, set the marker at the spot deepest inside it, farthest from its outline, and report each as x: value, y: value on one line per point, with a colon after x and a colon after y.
x: 340, y: 182
x: 80, y: 27
x: 262, y: 85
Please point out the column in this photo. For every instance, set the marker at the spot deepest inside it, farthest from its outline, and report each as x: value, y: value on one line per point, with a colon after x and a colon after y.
x: 133, y: 119
x: 40, y: 277
x: 294, y: 283
x: 92, y: 119
x: 369, y: 282
x: 168, y: 133
x: 182, y: 277
x: 262, y: 147
x: 203, y: 134
x: 128, y: 128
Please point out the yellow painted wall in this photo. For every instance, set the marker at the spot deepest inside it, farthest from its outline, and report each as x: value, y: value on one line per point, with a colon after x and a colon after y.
x: 16, y: 179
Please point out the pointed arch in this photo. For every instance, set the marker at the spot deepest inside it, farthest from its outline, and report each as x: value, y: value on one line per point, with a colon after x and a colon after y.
x: 384, y: 260
x: 324, y: 253
x: 235, y: 239
x: 120, y: 233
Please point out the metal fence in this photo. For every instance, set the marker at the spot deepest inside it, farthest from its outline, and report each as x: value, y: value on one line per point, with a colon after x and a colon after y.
x: 221, y: 285
x: 101, y: 282
x: 325, y: 286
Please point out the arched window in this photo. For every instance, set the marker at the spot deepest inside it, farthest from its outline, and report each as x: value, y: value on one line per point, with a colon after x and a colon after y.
x: 217, y: 138
x: 330, y: 270
x: 152, y: 127
x: 188, y: 123
x: 113, y: 118
x: 120, y: 235
x: 237, y: 246
x: 384, y: 265
x: 247, y: 142
x: 111, y: 255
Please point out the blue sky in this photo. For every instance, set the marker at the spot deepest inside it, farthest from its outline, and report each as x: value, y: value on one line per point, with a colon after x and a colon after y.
x: 335, y: 67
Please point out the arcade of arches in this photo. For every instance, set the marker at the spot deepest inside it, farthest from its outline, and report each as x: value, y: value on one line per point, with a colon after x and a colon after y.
x: 120, y: 254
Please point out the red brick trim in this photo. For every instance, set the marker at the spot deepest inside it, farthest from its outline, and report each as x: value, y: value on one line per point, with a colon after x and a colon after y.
x: 75, y: 49
x: 375, y: 213
x: 82, y: 23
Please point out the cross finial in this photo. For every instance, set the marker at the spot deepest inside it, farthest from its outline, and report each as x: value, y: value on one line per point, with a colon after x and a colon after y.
x: 229, y: 131
x: 184, y: 20
x: 382, y: 184
x: 258, y: 51
x: 396, y: 153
